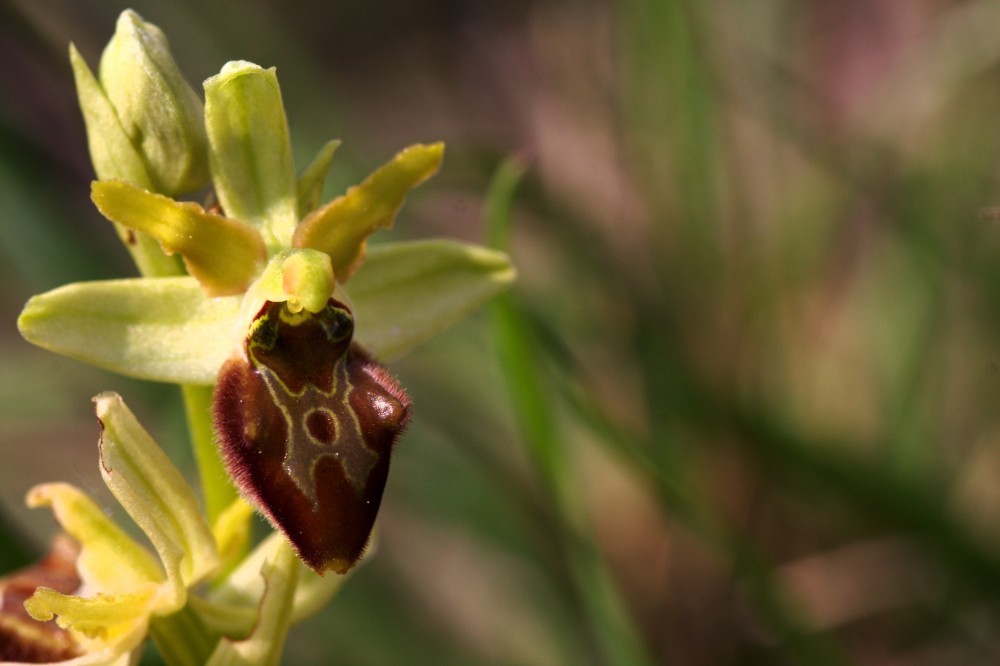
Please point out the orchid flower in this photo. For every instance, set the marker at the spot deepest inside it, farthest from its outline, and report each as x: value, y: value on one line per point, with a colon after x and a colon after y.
x: 305, y: 430
x: 275, y: 323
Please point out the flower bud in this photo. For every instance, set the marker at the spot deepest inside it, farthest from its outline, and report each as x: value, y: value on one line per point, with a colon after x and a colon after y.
x: 156, y: 108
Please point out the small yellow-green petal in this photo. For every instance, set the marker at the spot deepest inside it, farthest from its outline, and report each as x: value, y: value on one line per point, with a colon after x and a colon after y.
x: 313, y: 177
x: 109, y: 560
x: 341, y: 227
x: 250, y: 151
x: 157, y: 107
x: 156, y: 496
x: 408, y: 292
x: 159, y: 329
x: 222, y: 254
x: 265, y: 644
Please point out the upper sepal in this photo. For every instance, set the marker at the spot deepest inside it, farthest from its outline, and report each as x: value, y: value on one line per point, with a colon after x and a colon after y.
x: 251, y: 154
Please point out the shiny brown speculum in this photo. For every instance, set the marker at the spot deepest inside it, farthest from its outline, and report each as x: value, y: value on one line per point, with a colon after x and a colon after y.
x: 306, y: 422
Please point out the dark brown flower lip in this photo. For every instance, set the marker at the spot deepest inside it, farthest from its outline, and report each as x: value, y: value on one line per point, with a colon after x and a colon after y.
x: 306, y: 422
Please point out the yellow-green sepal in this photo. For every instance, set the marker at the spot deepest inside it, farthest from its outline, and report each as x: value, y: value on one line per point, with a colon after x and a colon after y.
x: 224, y: 255
x: 250, y: 150
x: 161, y: 329
x: 124, y: 578
x: 157, y: 497
x: 111, y: 149
x: 109, y: 559
x: 341, y: 227
x: 406, y: 293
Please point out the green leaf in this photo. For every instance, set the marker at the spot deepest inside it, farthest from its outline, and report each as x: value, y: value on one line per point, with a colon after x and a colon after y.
x: 157, y: 107
x: 155, y: 494
x: 341, y: 227
x: 250, y: 151
x: 312, y: 178
x: 405, y: 293
x: 222, y: 254
x: 163, y: 329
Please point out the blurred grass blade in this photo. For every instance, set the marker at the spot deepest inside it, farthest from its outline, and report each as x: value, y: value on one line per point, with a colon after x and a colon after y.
x: 532, y: 399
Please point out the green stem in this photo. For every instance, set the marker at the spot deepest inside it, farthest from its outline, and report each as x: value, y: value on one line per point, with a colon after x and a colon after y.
x: 217, y: 491
x: 182, y: 639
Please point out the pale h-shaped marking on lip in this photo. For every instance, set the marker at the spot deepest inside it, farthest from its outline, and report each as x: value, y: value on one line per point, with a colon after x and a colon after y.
x: 303, y: 450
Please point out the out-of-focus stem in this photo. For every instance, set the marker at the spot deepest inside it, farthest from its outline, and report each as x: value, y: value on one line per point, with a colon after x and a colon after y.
x: 217, y: 491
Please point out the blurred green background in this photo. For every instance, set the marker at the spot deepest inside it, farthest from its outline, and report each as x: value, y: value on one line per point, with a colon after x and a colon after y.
x: 743, y: 406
